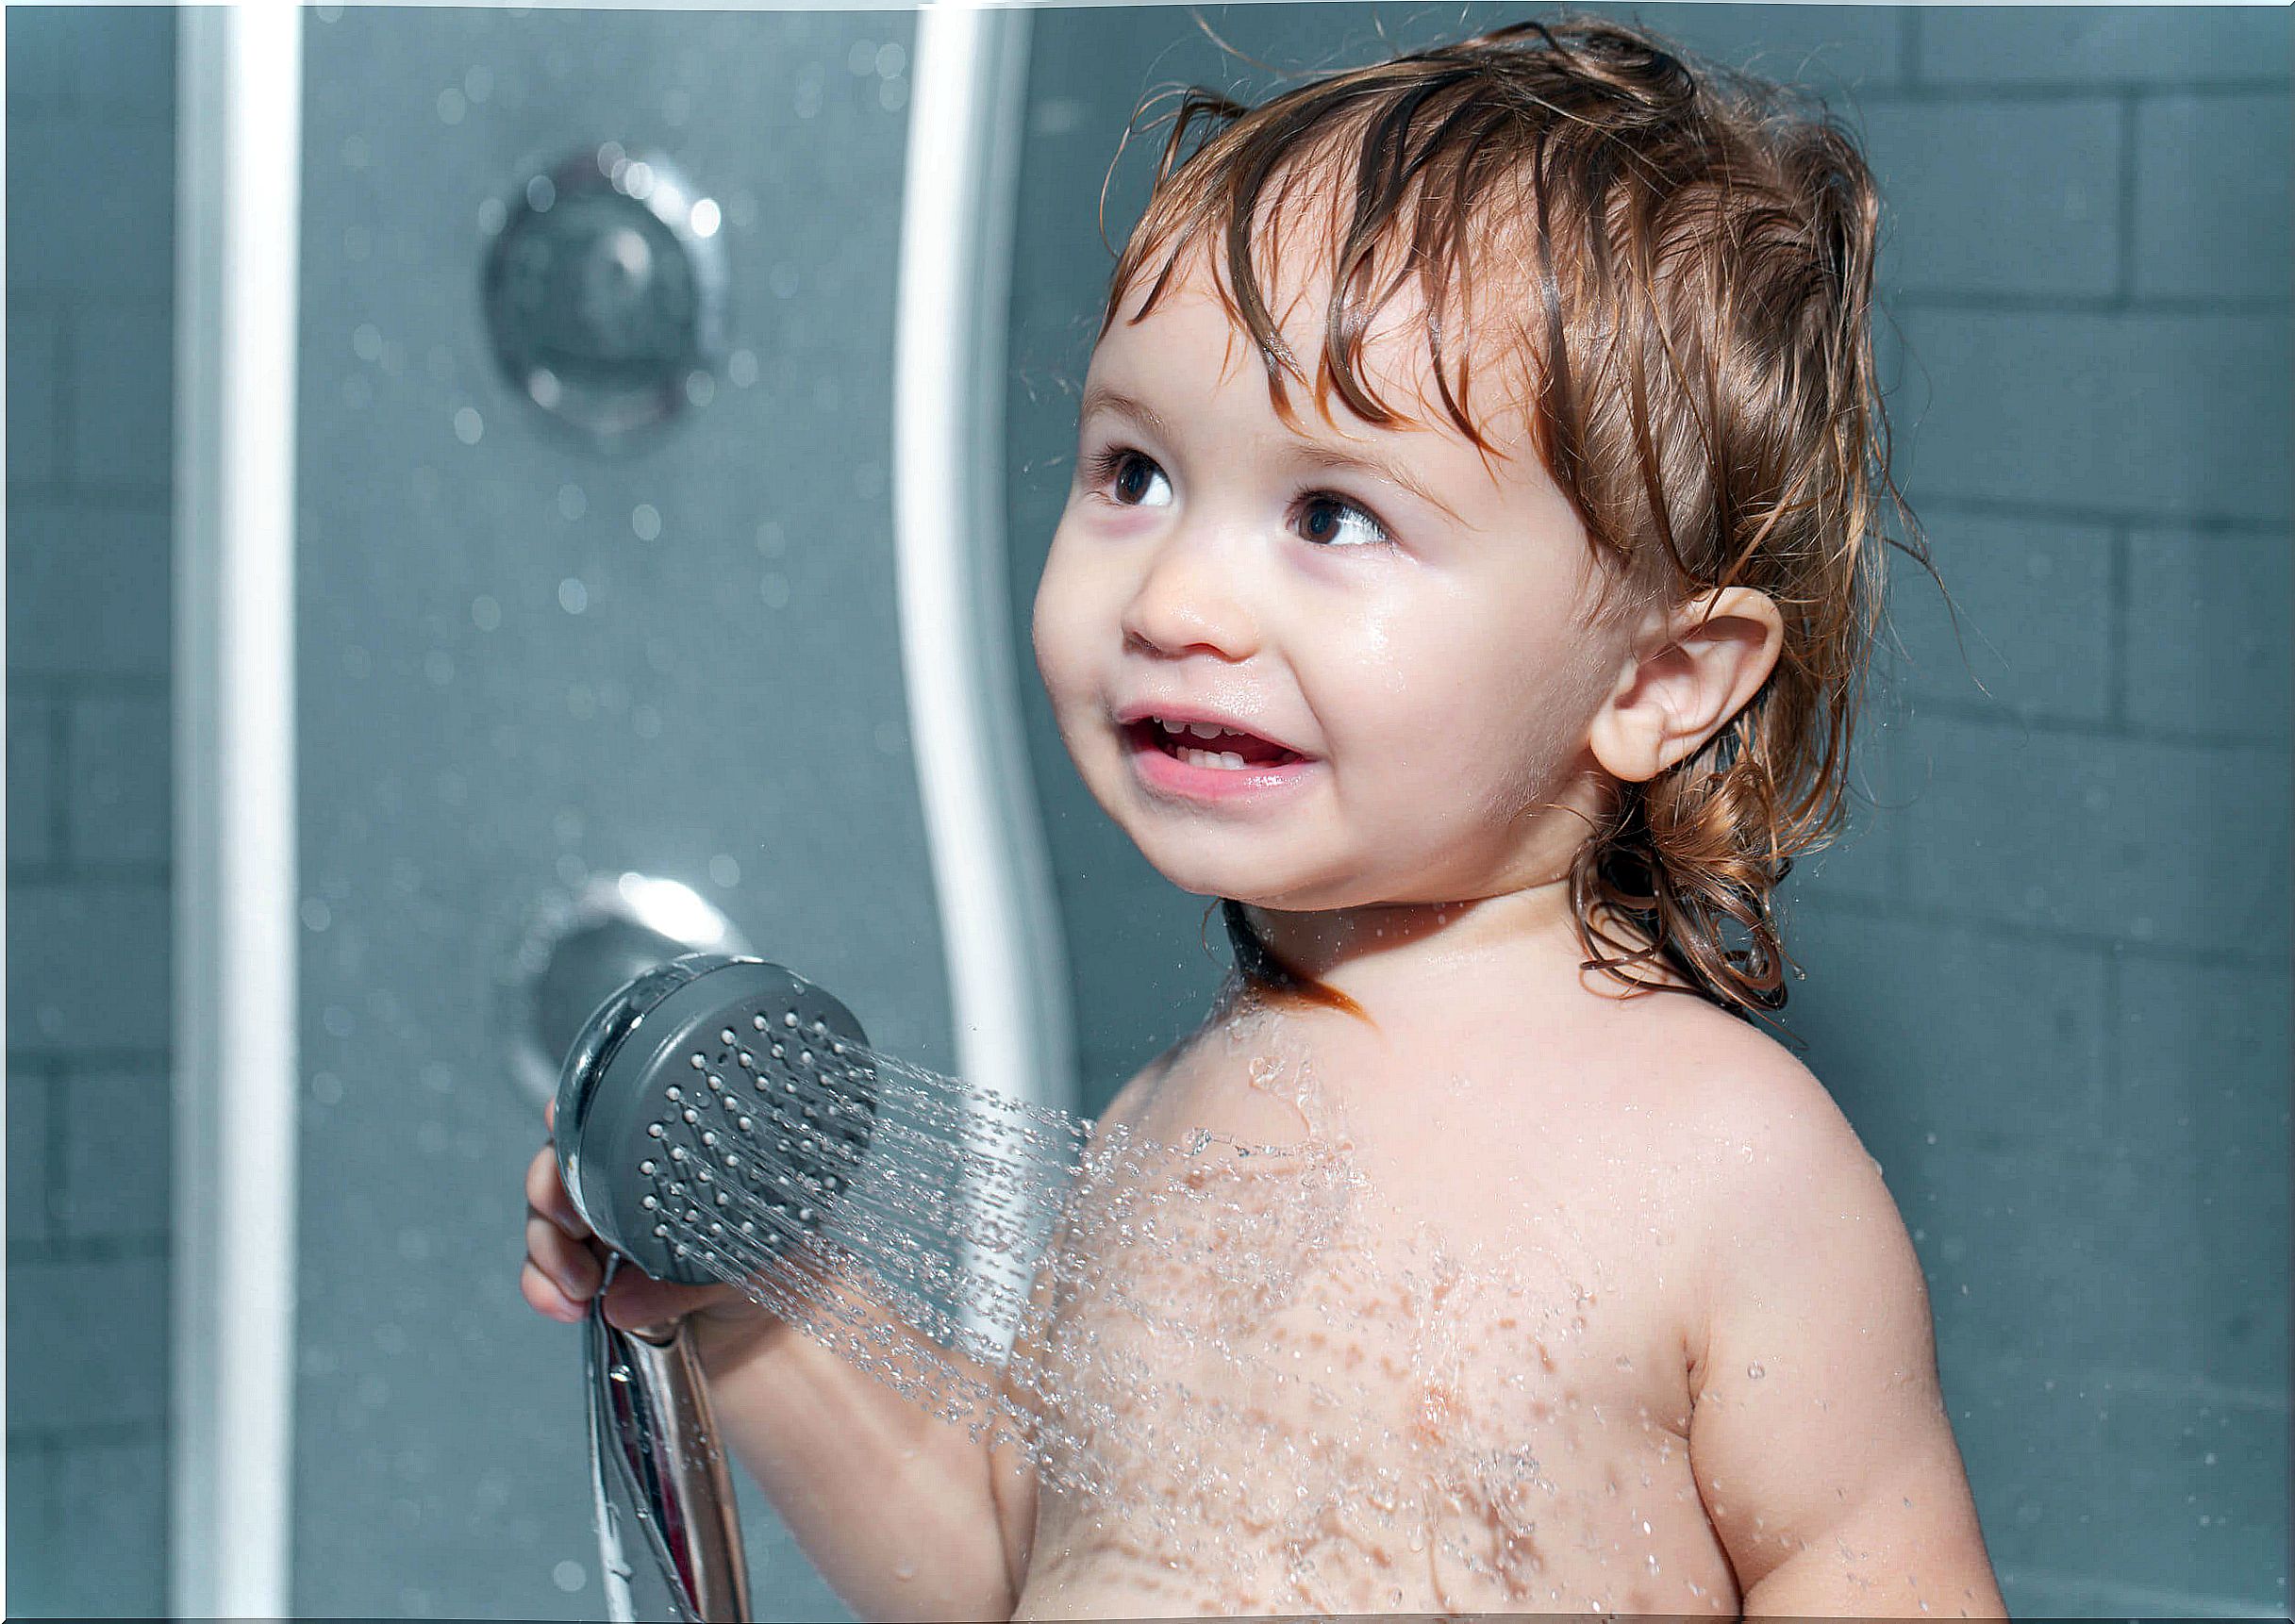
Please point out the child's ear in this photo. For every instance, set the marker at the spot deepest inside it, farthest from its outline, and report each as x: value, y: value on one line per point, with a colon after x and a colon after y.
x: 1691, y: 669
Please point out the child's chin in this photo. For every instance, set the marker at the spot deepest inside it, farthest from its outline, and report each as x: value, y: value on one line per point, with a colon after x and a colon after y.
x: 1192, y: 874
x: 1190, y: 877
x: 1241, y: 883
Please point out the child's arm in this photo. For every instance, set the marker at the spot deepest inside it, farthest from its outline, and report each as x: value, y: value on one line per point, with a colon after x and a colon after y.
x: 895, y: 1507
x: 1831, y: 1475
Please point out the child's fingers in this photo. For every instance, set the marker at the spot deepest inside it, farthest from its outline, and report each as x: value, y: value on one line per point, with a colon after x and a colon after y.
x: 564, y: 1266
x: 546, y: 1194
x: 570, y: 1264
x: 544, y: 1297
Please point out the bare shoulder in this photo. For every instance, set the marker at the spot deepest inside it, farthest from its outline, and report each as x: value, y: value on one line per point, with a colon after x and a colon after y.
x: 1819, y: 1431
x: 1129, y: 1101
x: 1771, y: 1174
x: 1761, y: 1123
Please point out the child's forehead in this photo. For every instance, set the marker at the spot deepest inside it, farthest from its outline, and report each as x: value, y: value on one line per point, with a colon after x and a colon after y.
x: 1417, y: 386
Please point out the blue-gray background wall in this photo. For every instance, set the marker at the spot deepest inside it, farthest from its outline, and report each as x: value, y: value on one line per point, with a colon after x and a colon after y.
x: 91, y: 107
x: 2047, y: 972
x: 2048, y: 975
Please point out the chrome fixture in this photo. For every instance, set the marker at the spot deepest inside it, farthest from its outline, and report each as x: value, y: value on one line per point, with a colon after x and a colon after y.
x: 577, y: 955
x: 605, y: 291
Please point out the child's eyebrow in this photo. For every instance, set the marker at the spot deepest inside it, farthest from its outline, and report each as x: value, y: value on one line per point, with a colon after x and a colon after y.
x: 1331, y: 458
x: 1314, y: 452
x: 1101, y: 398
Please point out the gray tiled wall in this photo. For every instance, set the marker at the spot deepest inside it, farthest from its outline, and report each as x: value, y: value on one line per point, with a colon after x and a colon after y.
x: 2089, y: 222
x: 90, y: 179
x: 2047, y: 974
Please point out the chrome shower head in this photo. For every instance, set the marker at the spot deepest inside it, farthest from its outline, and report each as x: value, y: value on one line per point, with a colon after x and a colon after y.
x: 715, y: 1101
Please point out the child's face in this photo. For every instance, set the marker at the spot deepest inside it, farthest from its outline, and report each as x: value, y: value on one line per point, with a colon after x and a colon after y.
x: 1437, y: 669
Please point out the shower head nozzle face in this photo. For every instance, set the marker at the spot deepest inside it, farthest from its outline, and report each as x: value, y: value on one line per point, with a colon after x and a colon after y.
x: 717, y: 1105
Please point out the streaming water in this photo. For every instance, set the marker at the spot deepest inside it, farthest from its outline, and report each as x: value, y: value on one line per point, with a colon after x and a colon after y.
x: 1018, y: 1270
x: 1241, y: 1379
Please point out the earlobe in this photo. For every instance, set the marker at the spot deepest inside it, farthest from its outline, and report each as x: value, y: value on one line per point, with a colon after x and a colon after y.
x: 1691, y: 671
x: 1622, y: 740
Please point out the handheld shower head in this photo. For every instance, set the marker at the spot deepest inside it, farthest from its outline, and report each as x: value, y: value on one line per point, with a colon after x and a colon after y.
x: 709, y: 1081
x: 713, y: 1106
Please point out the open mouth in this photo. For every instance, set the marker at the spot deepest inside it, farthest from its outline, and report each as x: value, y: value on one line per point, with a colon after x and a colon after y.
x: 1218, y: 751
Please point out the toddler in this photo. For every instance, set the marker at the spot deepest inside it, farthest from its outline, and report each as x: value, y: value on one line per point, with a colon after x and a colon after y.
x: 1467, y: 577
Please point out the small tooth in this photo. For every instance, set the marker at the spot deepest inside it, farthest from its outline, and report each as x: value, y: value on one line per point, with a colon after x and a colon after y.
x: 1204, y: 730
x: 1226, y: 758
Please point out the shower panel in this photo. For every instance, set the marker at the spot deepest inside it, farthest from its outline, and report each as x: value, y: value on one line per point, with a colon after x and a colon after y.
x: 559, y: 626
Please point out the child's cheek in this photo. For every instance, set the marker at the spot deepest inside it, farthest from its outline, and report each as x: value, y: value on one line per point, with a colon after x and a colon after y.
x: 1058, y: 629
x: 1044, y: 625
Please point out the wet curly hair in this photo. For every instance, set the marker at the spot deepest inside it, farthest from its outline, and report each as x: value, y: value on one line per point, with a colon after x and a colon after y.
x: 1677, y: 260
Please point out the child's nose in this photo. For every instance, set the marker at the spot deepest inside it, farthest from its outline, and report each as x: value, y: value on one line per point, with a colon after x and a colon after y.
x: 1190, y: 598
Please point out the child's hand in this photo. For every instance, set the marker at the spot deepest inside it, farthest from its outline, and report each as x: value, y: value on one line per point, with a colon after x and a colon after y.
x: 899, y: 1510
x: 565, y: 1261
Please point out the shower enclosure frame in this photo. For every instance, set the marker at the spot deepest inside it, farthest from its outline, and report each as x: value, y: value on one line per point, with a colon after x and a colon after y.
x: 238, y: 77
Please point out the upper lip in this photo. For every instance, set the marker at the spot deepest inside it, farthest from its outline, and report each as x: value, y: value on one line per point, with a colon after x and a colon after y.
x: 1180, y: 711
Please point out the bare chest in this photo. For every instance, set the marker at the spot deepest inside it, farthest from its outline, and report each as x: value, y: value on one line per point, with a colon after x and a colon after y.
x: 1399, y: 1357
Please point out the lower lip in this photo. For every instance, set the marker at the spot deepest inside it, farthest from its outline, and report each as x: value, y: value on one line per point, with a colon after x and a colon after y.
x: 1166, y: 772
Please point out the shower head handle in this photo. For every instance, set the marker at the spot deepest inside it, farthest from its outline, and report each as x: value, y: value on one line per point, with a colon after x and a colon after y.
x: 707, y: 1080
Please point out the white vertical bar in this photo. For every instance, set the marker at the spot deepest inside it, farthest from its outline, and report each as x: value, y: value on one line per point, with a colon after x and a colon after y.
x: 1007, y: 964
x: 239, y: 87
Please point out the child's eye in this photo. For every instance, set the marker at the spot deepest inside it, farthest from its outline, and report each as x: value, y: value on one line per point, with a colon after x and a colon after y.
x: 1131, y: 476
x: 1336, y: 522
x: 1133, y: 479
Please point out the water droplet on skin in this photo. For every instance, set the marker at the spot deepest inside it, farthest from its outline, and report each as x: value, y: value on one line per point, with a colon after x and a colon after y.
x: 1754, y: 1373
x: 904, y: 1570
